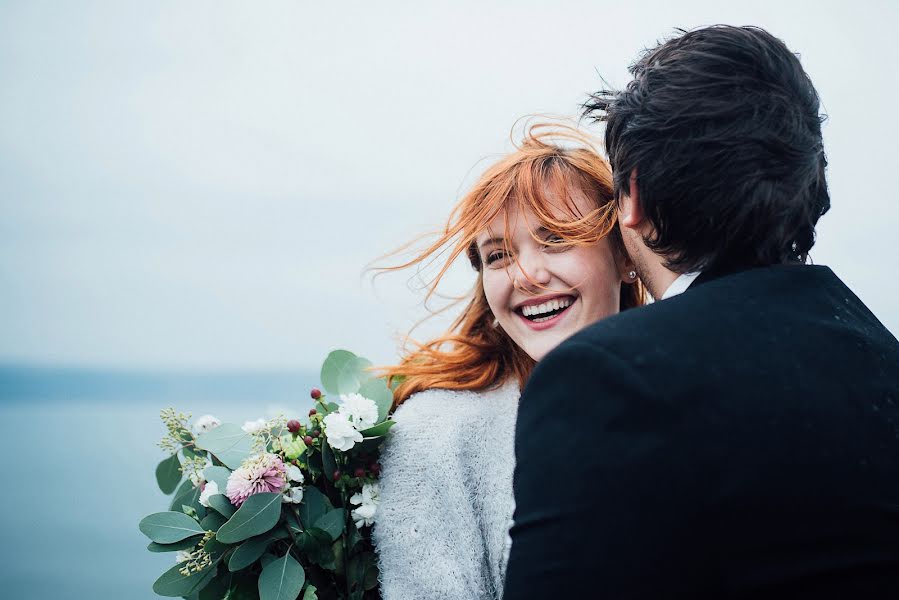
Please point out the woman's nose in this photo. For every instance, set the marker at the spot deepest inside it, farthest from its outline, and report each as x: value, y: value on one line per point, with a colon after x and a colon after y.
x: 531, y: 271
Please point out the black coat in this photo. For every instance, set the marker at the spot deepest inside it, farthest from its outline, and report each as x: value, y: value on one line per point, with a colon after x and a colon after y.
x: 740, y: 440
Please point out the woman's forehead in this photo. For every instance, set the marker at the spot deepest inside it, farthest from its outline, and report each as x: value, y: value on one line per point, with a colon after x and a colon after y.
x: 570, y: 205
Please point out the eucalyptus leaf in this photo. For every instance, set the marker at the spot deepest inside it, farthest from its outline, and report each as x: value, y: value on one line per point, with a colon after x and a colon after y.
x: 186, y: 485
x: 219, y: 475
x: 222, y: 505
x: 343, y: 372
x: 267, y: 559
x: 168, y: 474
x: 174, y: 547
x: 332, y: 522
x: 257, y: 515
x: 212, y: 521
x: 229, y: 443
x: 378, y: 430
x: 217, y: 588
x: 315, y: 504
x: 282, y: 579
x: 316, y: 544
x: 376, y: 390
x: 169, y: 527
x: 191, y: 498
x: 173, y: 584
x: 244, y: 586
x: 328, y: 462
x: 310, y: 594
x: 249, y: 552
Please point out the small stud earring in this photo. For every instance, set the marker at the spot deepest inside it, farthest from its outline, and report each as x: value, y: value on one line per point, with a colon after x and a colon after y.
x: 495, y: 323
x: 632, y: 274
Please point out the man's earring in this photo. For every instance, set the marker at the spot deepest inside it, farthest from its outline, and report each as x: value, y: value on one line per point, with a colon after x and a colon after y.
x: 631, y: 274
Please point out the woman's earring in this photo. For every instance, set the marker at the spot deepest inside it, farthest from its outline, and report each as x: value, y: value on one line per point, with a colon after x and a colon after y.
x: 631, y: 274
x: 495, y: 323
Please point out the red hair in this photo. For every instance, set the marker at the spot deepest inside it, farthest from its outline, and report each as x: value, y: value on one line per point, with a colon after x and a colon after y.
x: 473, y: 354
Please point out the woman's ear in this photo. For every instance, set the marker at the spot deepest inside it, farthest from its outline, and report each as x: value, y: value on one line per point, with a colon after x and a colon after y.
x: 626, y: 268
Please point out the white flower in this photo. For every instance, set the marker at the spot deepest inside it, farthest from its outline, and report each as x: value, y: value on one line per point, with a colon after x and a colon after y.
x: 206, y: 423
x: 368, y: 501
x: 294, y: 495
x: 340, y: 432
x: 361, y: 411
x: 254, y: 426
x: 211, y: 489
x: 182, y: 555
x: 294, y: 474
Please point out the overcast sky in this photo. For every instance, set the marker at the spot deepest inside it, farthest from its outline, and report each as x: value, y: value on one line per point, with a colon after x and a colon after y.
x: 200, y: 184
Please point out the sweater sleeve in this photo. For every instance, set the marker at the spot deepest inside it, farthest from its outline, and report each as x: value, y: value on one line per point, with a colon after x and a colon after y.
x: 426, y: 533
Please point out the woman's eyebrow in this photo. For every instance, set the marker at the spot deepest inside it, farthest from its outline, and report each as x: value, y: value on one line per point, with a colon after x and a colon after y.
x: 491, y: 241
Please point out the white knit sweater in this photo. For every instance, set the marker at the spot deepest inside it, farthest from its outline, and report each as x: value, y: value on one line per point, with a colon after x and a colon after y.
x: 446, y: 500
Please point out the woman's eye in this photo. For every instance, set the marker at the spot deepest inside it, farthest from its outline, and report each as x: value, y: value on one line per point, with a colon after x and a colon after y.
x: 555, y: 242
x: 494, y: 256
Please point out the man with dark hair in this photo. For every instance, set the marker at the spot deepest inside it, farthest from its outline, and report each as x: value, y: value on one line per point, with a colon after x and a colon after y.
x: 738, y: 438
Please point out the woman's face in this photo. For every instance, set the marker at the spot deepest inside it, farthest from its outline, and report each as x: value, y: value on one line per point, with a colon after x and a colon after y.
x: 541, y: 294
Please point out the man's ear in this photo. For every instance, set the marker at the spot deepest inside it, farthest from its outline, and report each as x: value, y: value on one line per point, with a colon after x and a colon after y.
x: 630, y: 212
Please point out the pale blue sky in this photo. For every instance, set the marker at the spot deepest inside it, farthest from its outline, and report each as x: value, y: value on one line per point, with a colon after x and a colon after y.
x: 200, y: 184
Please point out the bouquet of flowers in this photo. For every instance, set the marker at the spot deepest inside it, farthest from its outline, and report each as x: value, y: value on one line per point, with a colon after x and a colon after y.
x: 278, y: 509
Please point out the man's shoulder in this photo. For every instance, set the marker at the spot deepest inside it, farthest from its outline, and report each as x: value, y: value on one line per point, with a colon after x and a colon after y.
x: 721, y: 305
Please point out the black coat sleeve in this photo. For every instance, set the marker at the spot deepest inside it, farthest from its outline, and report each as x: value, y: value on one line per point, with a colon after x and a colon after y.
x: 602, y: 503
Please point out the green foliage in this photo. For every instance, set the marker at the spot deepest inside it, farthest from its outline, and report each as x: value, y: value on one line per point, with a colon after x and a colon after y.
x: 328, y: 463
x: 229, y: 443
x: 363, y: 571
x: 222, y: 505
x: 310, y: 594
x: 169, y: 527
x: 219, y: 475
x: 168, y: 474
x: 332, y: 523
x: 190, y: 497
x: 173, y: 584
x: 184, y: 544
x: 212, y: 521
x: 316, y: 545
x: 281, y: 579
x: 314, y: 506
x: 343, y: 372
x: 376, y: 389
x: 257, y: 515
x: 378, y: 430
x: 249, y: 552
x: 293, y: 447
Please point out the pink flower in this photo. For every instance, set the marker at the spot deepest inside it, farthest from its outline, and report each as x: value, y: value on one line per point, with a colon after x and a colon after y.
x: 257, y: 475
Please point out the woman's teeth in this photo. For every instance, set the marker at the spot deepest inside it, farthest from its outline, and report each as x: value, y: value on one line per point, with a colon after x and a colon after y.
x: 547, y: 310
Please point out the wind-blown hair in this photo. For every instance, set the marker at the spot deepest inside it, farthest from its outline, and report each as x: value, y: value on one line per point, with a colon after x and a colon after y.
x: 474, y: 354
x: 722, y: 128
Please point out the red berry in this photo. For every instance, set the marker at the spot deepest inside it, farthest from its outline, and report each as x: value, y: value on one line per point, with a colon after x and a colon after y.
x: 375, y: 468
x: 315, y: 393
x: 360, y: 472
x: 316, y: 433
x: 307, y: 440
x: 293, y: 426
x: 336, y: 475
x: 312, y: 411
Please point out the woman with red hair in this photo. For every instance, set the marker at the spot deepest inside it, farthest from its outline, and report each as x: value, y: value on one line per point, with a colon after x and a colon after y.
x: 539, y: 229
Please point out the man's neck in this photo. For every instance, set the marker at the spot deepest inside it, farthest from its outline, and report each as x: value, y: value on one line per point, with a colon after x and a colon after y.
x: 657, y: 278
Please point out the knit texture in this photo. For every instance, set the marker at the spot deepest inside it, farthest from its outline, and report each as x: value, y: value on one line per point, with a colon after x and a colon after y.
x: 446, y: 507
